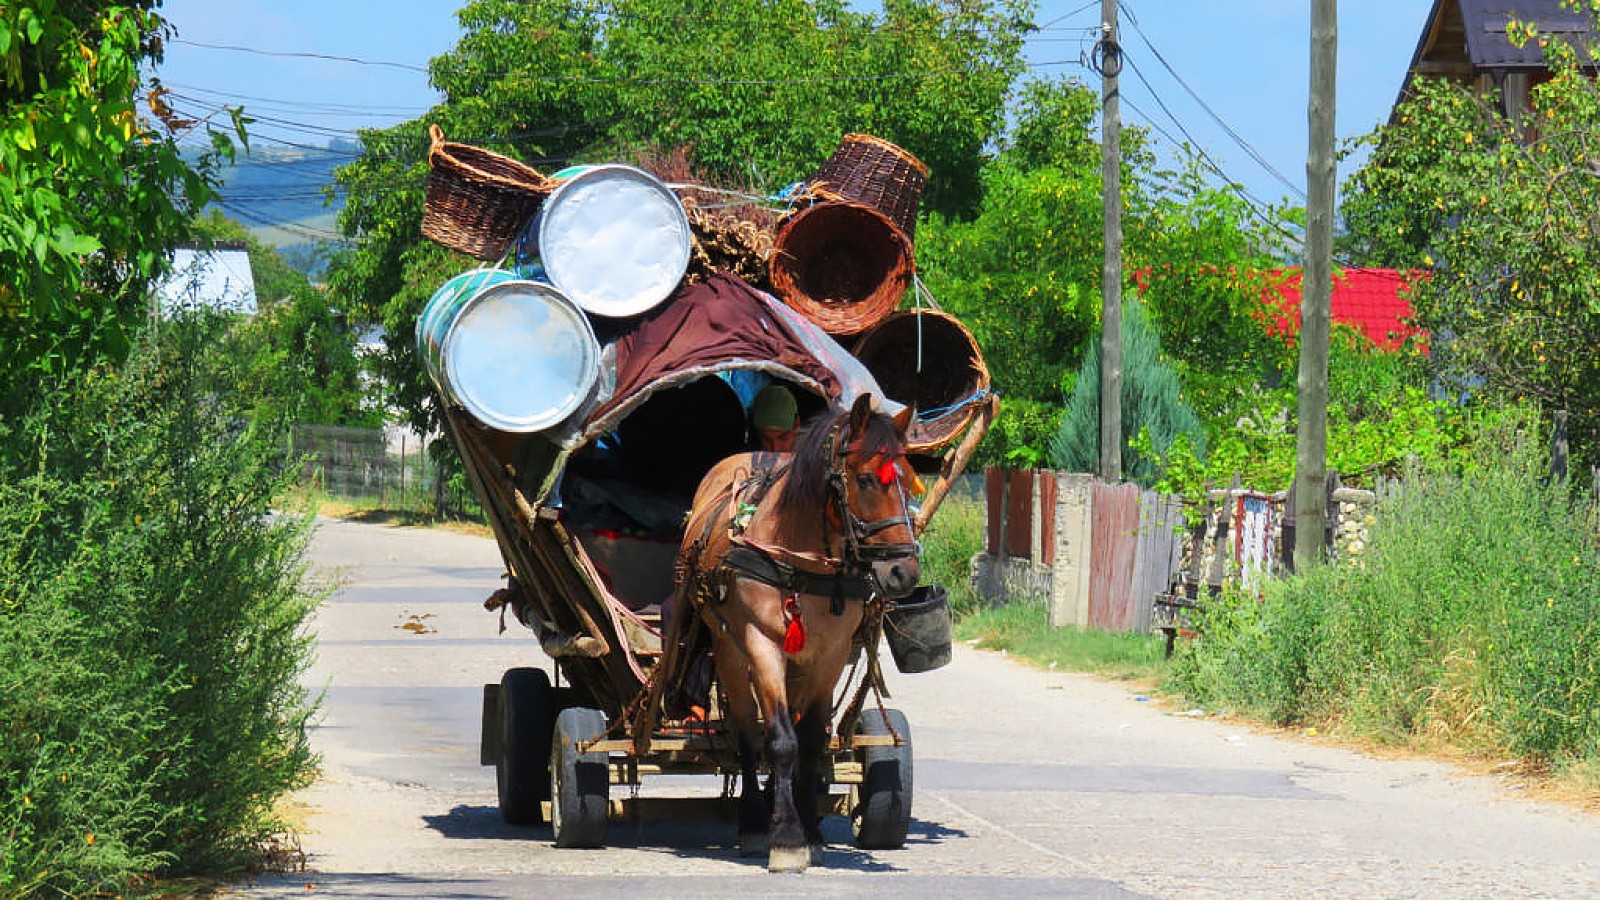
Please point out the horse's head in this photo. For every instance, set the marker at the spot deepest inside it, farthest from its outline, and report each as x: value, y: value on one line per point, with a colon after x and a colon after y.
x: 869, y: 494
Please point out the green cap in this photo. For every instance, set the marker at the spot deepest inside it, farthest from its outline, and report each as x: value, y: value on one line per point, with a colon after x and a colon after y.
x: 774, y: 407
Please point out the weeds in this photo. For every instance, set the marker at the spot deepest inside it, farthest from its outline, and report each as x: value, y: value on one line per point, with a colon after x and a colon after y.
x: 1471, y: 621
x: 151, y: 630
x: 953, y: 537
x: 1024, y: 629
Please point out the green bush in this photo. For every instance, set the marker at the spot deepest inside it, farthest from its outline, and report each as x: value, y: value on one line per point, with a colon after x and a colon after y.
x: 953, y: 537
x: 151, y: 629
x: 1154, y: 413
x: 1471, y: 619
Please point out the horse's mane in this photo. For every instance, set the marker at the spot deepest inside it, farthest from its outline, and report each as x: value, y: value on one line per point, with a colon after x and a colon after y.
x: 806, y: 488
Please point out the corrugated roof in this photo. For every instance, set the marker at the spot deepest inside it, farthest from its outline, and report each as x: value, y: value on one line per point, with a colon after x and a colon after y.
x: 1370, y: 300
x: 218, y: 279
x: 1487, y: 44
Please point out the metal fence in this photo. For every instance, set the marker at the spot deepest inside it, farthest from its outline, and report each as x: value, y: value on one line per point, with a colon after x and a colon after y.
x: 385, y: 467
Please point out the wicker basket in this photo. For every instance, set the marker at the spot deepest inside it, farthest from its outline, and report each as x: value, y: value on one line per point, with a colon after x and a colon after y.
x: 478, y: 200
x: 842, y: 265
x: 928, y: 360
x: 870, y: 170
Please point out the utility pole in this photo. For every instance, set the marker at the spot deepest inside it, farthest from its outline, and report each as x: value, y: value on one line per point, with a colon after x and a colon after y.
x: 1110, y: 57
x: 1311, y: 447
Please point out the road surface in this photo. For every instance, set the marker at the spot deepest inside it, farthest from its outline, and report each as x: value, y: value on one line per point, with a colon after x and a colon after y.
x: 1028, y: 783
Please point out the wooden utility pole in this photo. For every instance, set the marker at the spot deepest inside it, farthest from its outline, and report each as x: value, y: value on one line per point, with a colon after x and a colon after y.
x: 1311, y: 459
x: 1110, y: 56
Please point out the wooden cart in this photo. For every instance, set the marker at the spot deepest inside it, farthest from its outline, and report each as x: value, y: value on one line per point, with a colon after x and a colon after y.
x: 591, y: 593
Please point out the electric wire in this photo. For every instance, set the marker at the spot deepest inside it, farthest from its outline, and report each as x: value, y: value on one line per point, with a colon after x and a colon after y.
x: 1226, y: 128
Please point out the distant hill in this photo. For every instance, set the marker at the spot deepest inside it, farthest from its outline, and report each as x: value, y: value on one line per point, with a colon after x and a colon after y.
x: 281, y: 195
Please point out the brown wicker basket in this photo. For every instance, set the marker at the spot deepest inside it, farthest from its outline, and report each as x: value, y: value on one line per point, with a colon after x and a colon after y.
x: 842, y: 265
x: 478, y: 201
x: 944, y: 382
x: 870, y: 170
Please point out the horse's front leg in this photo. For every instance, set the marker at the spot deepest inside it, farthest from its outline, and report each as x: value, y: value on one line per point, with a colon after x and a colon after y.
x: 754, y: 814
x: 812, y: 734
x: 787, y: 851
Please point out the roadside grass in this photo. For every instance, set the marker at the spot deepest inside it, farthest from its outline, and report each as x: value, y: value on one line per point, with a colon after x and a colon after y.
x: 1024, y: 630
x: 370, y: 511
x: 1468, y: 630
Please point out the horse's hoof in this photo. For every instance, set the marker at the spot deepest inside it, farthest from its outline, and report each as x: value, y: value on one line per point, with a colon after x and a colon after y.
x: 788, y: 859
x: 819, y: 854
x: 752, y: 844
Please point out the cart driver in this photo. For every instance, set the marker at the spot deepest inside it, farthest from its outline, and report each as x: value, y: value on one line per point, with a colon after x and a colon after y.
x: 774, y: 416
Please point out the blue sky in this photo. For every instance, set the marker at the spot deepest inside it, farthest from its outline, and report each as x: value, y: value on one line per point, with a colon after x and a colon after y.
x: 1248, y: 60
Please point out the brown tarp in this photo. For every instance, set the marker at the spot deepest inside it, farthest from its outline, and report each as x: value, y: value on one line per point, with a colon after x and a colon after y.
x: 705, y: 327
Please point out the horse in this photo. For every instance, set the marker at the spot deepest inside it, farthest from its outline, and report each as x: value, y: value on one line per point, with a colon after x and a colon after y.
x: 780, y: 554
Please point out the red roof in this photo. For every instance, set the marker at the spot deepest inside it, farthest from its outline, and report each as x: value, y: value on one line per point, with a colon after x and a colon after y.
x: 1371, y: 300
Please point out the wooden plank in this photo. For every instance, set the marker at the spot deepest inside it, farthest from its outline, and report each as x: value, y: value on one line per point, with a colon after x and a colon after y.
x: 1112, y: 549
x: 1019, y: 513
x: 1047, y: 517
x: 1144, y: 584
x: 994, y: 503
x: 1159, y: 553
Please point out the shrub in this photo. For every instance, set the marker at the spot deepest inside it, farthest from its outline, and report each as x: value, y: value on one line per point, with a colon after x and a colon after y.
x: 1471, y: 619
x: 952, y: 538
x: 1152, y: 407
x: 151, y: 629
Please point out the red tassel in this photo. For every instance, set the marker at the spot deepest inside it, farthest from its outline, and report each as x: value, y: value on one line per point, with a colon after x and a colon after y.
x: 794, y: 637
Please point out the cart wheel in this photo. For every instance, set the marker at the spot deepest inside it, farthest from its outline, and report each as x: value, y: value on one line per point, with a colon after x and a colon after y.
x: 522, y: 768
x: 880, y: 808
x: 580, y: 783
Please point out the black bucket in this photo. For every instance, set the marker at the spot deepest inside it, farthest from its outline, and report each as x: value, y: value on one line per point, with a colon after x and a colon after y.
x: 918, y: 630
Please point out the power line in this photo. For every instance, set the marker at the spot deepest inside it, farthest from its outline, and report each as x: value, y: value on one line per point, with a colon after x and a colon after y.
x: 301, y: 54
x: 1227, y: 129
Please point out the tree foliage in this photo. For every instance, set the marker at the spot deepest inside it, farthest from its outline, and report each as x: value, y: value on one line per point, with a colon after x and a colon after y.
x: 296, y: 358
x: 1025, y: 273
x: 1504, y: 214
x: 91, y: 195
x: 759, y: 91
x: 1153, y: 407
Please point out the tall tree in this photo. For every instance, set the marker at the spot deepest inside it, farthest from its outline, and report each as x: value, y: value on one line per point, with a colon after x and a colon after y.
x: 91, y: 194
x: 1506, y: 220
x: 1025, y: 274
x: 759, y: 90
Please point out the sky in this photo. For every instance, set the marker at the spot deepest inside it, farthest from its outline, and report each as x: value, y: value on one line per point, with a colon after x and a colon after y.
x: 289, y: 63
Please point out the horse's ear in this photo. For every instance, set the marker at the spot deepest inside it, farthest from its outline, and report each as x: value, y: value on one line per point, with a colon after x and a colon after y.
x: 860, y: 413
x: 902, y: 419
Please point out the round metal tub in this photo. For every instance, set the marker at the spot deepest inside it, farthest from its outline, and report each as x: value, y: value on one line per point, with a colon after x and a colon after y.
x: 612, y: 238
x: 517, y: 356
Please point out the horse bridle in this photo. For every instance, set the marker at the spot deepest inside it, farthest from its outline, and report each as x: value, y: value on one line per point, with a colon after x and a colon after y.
x: 858, y: 553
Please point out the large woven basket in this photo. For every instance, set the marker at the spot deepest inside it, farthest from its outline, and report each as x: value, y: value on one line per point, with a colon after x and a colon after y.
x: 928, y: 360
x: 870, y: 170
x: 842, y: 265
x: 478, y: 200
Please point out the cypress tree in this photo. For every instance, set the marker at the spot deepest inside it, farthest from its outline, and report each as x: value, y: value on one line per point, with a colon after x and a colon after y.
x: 1152, y: 398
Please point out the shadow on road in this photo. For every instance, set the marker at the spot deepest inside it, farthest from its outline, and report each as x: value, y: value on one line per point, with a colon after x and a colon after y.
x: 685, y: 839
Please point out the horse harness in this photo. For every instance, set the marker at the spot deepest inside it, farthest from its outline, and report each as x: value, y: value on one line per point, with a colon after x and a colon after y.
x: 849, y: 578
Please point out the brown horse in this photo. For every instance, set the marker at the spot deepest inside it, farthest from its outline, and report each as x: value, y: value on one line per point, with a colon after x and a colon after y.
x: 782, y: 551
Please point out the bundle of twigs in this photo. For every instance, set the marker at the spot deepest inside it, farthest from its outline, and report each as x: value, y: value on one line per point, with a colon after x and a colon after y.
x: 732, y: 229
x: 724, y: 242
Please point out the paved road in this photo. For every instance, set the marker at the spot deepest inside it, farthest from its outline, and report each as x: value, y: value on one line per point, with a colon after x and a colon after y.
x: 1028, y: 783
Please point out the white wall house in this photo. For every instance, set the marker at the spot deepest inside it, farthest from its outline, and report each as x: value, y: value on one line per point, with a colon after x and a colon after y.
x: 218, y: 279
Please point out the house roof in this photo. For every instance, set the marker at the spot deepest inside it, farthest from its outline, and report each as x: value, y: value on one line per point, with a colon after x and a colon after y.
x: 1489, y: 47
x: 1463, y: 38
x: 1373, y: 301
x: 220, y: 279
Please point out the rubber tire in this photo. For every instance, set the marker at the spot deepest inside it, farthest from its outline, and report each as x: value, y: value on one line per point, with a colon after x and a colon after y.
x: 881, y: 813
x: 580, y: 783
x: 522, y: 769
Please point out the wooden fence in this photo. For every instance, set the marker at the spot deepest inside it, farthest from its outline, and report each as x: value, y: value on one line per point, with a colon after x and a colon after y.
x: 1096, y: 552
x: 1100, y: 553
